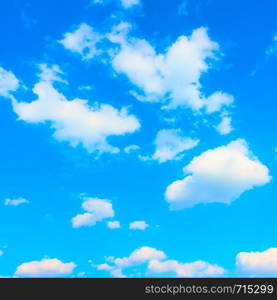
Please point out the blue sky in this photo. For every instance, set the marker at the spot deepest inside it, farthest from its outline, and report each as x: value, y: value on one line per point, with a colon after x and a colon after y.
x: 173, y: 140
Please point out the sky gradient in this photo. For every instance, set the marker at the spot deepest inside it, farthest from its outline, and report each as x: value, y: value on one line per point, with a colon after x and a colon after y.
x: 138, y: 139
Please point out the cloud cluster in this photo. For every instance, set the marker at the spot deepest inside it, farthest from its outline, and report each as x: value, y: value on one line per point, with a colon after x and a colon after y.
x: 156, y: 263
x: 258, y: 263
x: 218, y: 175
x: 272, y: 50
x: 96, y: 210
x: 74, y: 121
x: 45, y: 268
x: 131, y: 148
x: 129, y: 3
x: 171, y: 77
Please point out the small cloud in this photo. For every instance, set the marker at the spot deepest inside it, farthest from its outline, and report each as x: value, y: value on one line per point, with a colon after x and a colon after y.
x: 50, y: 73
x: 156, y: 263
x: 138, y: 225
x: 85, y: 88
x: 170, y: 144
x: 194, y: 269
x: 272, y: 50
x: 113, y: 224
x: 125, y: 3
x: 225, y: 126
x: 15, y: 202
x: 131, y: 148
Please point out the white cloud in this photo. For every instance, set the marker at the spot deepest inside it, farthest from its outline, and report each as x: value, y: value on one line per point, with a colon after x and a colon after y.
x: 258, y: 263
x: 125, y: 3
x: 114, y: 271
x: 194, y: 269
x: 225, y: 126
x: 113, y: 224
x: 217, y: 100
x: 170, y: 144
x: 45, y: 268
x: 272, y: 50
x: 218, y: 175
x: 139, y: 256
x: 172, y: 77
x: 75, y: 121
x: 156, y: 263
x: 8, y: 82
x: 96, y: 211
x: 138, y: 225
x: 82, y: 41
x: 15, y: 202
x: 129, y: 3
x: 131, y: 148
x: 1, y: 252
x: 51, y: 73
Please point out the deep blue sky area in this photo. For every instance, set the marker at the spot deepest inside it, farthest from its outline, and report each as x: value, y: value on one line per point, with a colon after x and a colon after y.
x: 55, y: 177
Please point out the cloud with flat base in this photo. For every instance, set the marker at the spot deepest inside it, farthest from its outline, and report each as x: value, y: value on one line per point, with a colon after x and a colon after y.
x: 219, y: 175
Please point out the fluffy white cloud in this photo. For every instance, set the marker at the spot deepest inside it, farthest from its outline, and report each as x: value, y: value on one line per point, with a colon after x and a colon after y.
x: 8, y: 82
x: 195, y: 269
x: 225, y: 127
x: 156, y: 263
x: 139, y: 256
x: 172, y: 77
x: 82, y: 41
x: 45, y: 268
x: 113, y: 224
x: 96, y: 211
x: 272, y: 50
x: 218, y: 175
x: 74, y: 121
x: 1, y: 252
x: 15, y: 202
x: 170, y: 144
x: 258, y: 263
x: 138, y: 225
x: 129, y: 3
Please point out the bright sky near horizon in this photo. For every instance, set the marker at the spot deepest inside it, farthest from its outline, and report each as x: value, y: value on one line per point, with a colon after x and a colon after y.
x: 138, y: 138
